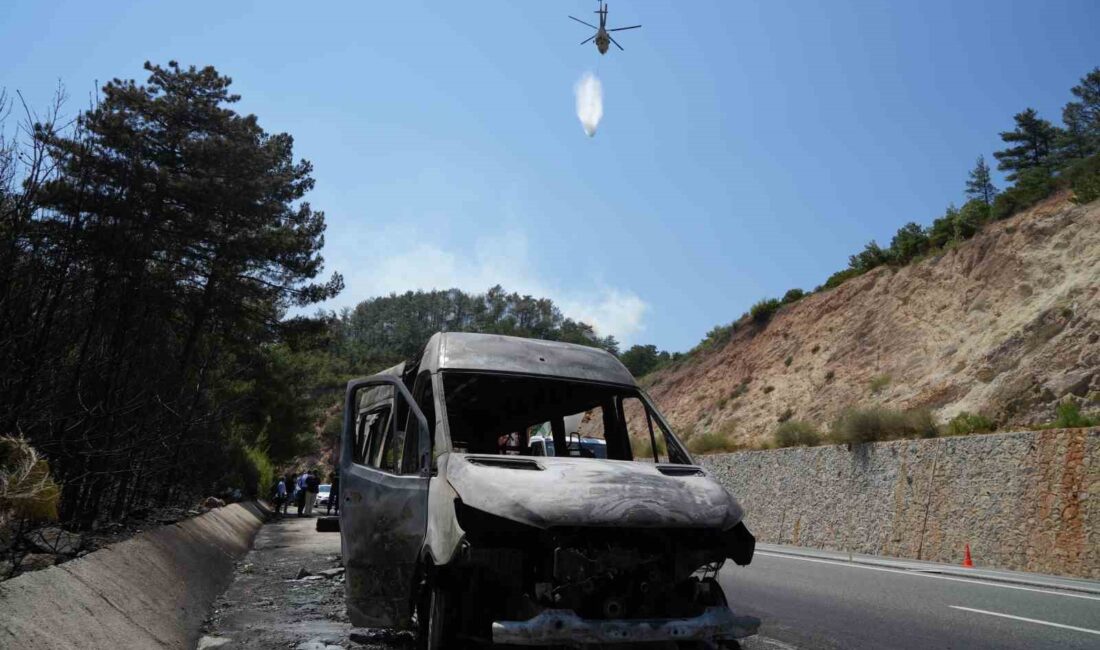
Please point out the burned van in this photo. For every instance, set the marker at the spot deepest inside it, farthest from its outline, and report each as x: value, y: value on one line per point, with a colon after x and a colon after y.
x: 453, y: 523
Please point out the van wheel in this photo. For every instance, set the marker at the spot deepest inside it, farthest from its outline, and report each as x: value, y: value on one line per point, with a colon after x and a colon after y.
x: 434, y: 615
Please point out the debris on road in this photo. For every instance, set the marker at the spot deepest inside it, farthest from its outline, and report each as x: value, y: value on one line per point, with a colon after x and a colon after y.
x: 376, y: 636
x: 213, y: 642
x: 288, y: 592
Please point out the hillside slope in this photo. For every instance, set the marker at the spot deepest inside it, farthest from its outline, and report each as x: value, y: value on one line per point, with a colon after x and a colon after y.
x: 1005, y: 324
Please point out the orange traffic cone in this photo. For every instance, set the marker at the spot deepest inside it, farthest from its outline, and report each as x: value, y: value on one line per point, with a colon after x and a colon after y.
x: 967, y: 562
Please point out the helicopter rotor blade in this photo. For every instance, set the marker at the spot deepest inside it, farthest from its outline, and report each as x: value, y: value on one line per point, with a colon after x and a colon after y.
x: 584, y: 23
x: 619, y: 29
x: 588, y: 39
x: 616, y: 43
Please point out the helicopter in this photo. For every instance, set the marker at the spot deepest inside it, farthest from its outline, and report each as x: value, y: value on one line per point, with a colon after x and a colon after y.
x: 602, y: 36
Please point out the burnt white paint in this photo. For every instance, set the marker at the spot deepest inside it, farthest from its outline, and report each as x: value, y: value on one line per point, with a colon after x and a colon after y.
x: 395, y: 526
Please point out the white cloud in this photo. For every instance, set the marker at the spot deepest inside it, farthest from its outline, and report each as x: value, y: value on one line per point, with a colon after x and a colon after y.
x: 386, y: 262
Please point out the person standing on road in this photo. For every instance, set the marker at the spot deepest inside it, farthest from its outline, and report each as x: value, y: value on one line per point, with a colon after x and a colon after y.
x: 300, y: 492
x: 280, y: 496
x: 313, y: 485
x: 334, y: 494
x: 289, y: 482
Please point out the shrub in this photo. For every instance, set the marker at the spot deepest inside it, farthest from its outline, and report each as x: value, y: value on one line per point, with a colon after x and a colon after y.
x: 250, y: 469
x: 713, y: 441
x: 741, y: 389
x: 795, y: 433
x: 787, y: 414
x: 879, y: 384
x: 966, y: 423
x: 829, y: 376
x: 763, y: 311
x: 942, y: 229
x: 718, y: 336
x: 872, y: 256
x: 910, y: 241
x: 1033, y: 186
x: 857, y: 426
x: 1084, y: 178
x: 768, y: 389
x: 788, y: 361
x: 1070, y: 417
x: 971, y: 217
x: 645, y: 447
x: 334, y: 425
x: 815, y: 349
x: 838, y: 278
x: 262, y: 469
x: 793, y: 295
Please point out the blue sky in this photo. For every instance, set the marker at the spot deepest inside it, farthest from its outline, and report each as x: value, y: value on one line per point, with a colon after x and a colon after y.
x: 746, y: 147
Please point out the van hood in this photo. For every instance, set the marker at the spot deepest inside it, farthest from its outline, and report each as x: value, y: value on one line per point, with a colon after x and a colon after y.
x: 552, y: 491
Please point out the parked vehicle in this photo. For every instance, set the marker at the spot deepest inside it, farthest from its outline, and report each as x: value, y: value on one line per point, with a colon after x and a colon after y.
x: 453, y: 511
x: 324, y: 493
x: 583, y: 447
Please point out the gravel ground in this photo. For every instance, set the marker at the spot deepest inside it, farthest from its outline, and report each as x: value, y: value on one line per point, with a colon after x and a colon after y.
x: 288, y: 592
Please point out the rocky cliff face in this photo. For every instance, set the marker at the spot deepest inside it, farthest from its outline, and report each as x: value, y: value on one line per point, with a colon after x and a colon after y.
x: 1005, y: 324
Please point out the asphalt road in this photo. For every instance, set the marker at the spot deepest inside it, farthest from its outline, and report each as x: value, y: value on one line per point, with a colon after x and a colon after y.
x: 824, y: 601
x: 810, y: 600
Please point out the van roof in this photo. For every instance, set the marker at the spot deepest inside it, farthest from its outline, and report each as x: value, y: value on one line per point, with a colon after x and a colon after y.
x: 497, y: 353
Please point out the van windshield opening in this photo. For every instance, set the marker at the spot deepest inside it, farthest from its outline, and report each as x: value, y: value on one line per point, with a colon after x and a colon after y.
x: 520, y: 415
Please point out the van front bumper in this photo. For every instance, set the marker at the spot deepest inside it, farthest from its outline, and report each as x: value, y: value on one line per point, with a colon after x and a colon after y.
x: 563, y: 626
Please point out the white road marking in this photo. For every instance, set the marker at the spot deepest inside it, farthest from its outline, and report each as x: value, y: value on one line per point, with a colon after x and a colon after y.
x: 755, y: 642
x: 1026, y: 620
x: 984, y: 583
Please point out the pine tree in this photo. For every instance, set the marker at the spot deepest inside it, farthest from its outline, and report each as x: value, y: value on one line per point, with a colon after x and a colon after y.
x: 1088, y: 92
x: 1034, y: 140
x: 162, y: 253
x: 1073, y: 141
x: 980, y: 184
x: 1081, y: 136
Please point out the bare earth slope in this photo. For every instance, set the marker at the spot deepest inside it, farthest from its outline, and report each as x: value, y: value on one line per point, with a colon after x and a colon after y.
x: 1005, y: 324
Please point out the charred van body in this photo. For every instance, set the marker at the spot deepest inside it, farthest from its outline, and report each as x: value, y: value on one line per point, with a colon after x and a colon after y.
x: 451, y: 519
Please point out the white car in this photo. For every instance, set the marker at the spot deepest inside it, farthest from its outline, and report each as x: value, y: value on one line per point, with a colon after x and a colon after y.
x: 585, y: 447
x: 324, y: 491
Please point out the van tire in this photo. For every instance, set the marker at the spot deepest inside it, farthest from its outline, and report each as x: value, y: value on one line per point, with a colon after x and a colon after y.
x: 435, y: 618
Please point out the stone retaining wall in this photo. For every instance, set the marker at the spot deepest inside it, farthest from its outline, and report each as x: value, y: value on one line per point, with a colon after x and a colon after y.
x: 150, y: 591
x: 1026, y: 501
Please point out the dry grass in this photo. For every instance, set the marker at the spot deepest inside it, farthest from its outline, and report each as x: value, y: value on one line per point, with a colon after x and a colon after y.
x: 794, y: 433
x: 26, y: 489
x: 857, y: 426
x: 710, y: 442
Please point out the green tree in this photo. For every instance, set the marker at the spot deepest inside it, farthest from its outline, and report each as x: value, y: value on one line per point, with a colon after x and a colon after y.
x: 970, y: 218
x: 1087, y: 93
x: 1033, y: 140
x: 910, y: 241
x: 153, y: 265
x: 1032, y: 185
x: 793, y: 295
x: 870, y: 257
x: 980, y: 184
x: 944, y: 229
x: 381, y: 331
x: 1074, y: 142
x: 643, y: 359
